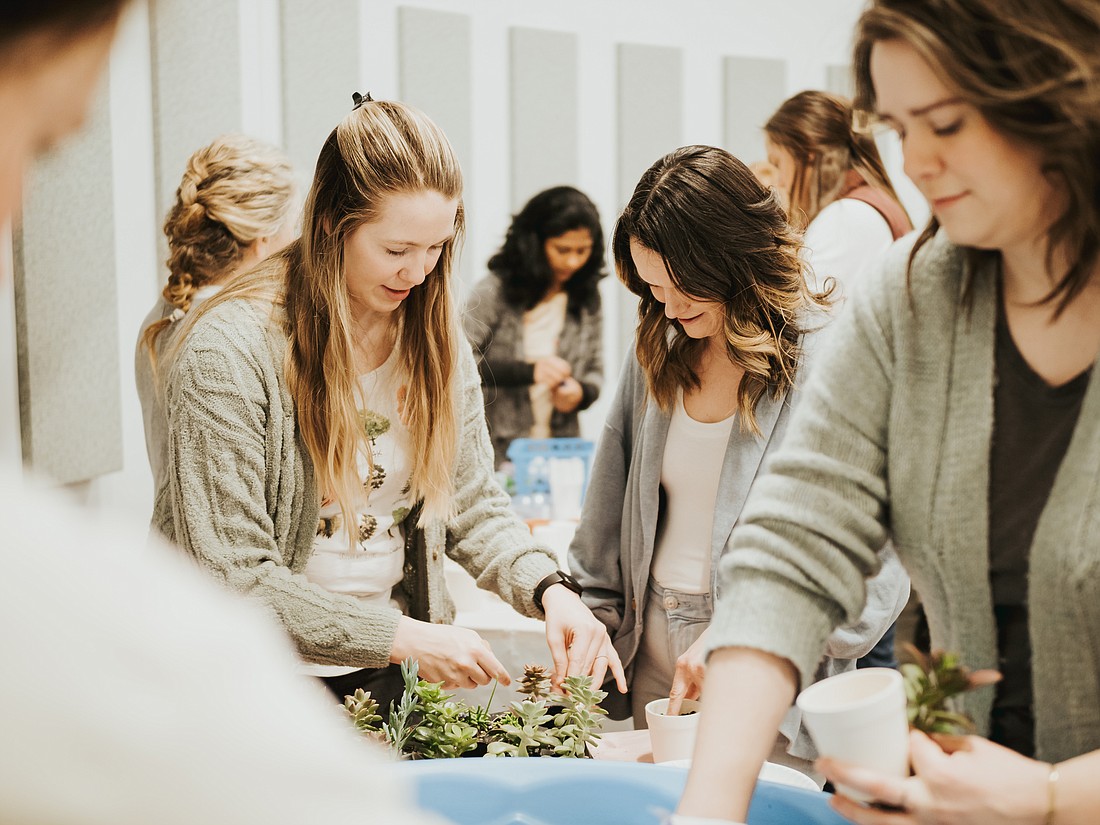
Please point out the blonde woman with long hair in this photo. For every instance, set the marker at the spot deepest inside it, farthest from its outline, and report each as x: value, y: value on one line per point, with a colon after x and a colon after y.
x: 723, y: 319
x: 326, y: 435
x: 234, y: 207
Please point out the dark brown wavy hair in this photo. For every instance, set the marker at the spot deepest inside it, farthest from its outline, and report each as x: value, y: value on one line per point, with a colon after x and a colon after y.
x: 1032, y: 69
x: 724, y: 238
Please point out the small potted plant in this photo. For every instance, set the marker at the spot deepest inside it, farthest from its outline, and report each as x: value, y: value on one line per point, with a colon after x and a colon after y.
x: 932, y: 684
x: 427, y: 722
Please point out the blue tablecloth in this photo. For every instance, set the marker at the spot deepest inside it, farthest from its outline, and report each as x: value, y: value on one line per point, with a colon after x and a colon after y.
x: 583, y: 792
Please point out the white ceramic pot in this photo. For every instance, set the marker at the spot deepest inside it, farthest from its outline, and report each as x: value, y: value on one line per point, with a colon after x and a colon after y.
x: 859, y: 717
x: 672, y: 737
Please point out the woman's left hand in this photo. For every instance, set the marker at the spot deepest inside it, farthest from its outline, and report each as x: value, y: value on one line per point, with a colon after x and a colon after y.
x: 567, y: 395
x: 975, y: 781
x: 578, y: 640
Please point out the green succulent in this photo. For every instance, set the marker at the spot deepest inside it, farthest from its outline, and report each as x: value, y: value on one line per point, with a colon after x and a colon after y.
x: 363, y: 711
x: 933, y: 684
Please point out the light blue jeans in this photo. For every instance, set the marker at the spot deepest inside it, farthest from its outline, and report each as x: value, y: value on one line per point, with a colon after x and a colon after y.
x: 670, y: 625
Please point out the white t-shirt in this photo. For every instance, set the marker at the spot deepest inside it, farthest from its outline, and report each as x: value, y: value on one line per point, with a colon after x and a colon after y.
x: 542, y: 326
x: 845, y: 239
x: 137, y: 690
x: 371, y: 570
x: 690, y: 471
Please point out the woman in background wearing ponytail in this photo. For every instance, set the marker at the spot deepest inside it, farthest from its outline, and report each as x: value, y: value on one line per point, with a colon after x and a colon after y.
x: 233, y: 208
x: 836, y: 186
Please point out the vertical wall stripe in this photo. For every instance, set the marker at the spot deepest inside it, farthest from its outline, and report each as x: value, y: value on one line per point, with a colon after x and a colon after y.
x: 434, y: 69
x: 651, y: 110
x: 753, y: 89
x: 321, y: 51
x: 67, y: 310
x: 650, y: 125
x: 838, y: 80
x: 543, y: 91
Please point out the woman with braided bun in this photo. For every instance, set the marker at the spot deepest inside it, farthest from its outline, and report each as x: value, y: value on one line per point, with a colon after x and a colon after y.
x: 836, y: 185
x: 233, y: 208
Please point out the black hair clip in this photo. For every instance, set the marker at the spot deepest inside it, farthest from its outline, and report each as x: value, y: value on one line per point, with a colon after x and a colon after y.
x: 359, y: 99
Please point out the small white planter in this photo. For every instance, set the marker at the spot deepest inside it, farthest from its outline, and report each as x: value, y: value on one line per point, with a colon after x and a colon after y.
x: 859, y: 717
x: 672, y: 737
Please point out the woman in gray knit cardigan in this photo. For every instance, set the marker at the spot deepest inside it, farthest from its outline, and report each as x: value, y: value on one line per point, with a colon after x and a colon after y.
x: 953, y: 411
x: 326, y: 437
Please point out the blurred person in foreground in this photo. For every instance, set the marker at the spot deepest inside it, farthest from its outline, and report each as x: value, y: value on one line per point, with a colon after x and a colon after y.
x: 134, y: 690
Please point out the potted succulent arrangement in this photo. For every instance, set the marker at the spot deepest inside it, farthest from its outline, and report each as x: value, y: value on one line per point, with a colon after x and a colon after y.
x: 427, y: 722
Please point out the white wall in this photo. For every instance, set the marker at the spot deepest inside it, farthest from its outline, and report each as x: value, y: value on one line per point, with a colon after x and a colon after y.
x: 809, y: 35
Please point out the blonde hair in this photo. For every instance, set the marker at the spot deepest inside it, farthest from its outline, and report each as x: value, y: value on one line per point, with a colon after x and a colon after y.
x: 818, y: 130
x: 723, y: 238
x: 381, y: 148
x: 235, y: 190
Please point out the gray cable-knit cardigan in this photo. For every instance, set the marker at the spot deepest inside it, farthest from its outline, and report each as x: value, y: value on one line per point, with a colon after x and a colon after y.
x: 241, y: 497
x: 495, y: 328
x: 892, y: 437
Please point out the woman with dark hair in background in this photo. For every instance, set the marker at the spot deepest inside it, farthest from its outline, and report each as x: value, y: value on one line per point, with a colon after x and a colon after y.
x: 536, y: 323
x: 835, y: 184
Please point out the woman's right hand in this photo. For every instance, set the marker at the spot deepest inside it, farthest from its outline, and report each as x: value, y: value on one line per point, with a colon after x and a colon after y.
x: 456, y: 656
x: 552, y: 370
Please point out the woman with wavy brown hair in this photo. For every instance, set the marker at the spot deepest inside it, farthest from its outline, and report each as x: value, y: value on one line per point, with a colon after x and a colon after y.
x: 233, y: 208
x: 326, y: 437
x: 724, y: 317
x: 955, y: 414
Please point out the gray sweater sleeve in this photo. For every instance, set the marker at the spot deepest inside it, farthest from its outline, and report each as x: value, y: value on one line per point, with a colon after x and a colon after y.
x: 218, y: 401
x: 595, y: 553
x: 809, y: 533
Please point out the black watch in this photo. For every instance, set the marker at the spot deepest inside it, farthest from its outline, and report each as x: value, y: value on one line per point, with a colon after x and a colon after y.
x: 557, y: 577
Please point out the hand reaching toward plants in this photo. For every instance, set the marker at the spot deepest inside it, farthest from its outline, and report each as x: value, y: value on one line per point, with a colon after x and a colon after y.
x: 687, y: 681
x: 456, y: 656
x: 578, y: 641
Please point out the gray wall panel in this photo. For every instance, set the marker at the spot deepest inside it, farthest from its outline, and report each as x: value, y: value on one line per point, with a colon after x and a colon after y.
x: 838, y: 80
x: 753, y: 88
x: 650, y: 111
x: 321, y: 51
x: 196, y: 48
x: 438, y: 80
x: 544, y: 90
x: 650, y: 124
x: 67, y: 310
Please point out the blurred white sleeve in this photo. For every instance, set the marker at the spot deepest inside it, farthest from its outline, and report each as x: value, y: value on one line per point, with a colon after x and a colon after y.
x: 136, y: 690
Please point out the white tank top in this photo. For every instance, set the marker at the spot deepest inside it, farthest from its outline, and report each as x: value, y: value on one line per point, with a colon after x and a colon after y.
x: 690, y: 471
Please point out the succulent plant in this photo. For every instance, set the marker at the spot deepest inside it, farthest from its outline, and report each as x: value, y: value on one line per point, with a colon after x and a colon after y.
x: 535, y: 683
x: 363, y: 710
x: 428, y: 723
x: 933, y: 683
